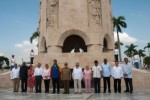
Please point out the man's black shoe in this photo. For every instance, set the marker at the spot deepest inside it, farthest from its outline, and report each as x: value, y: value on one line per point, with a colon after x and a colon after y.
x: 126, y: 91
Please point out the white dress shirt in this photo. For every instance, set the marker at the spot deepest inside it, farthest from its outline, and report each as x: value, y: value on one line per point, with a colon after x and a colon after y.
x: 15, y: 73
x: 38, y: 71
x: 96, y: 71
x: 31, y: 54
x: 13, y: 61
x: 116, y: 52
x: 117, y: 72
x: 77, y: 73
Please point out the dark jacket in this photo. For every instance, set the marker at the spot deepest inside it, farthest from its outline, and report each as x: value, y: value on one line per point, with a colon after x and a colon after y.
x: 24, y: 72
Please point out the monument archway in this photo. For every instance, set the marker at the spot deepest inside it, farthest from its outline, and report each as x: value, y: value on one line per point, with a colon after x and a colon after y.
x: 43, y: 47
x: 107, y: 43
x: 74, y: 43
x: 77, y: 32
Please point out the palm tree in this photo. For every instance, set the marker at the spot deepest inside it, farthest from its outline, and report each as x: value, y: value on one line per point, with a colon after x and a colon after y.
x: 148, y: 46
x: 141, y: 54
x: 117, y: 43
x: 130, y: 51
x: 118, y: 23
x: 34, y: 36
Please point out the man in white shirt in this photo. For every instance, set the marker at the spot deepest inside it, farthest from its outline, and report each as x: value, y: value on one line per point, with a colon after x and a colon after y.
x: 12, y: 62
x: 117, y: 74
x: 77, y: 76
x: 31, y: 56
x: 106, y: 72
x: 127, y: 72
x: 15, y: 77
x: 136, y: 60
x: 116, y: 53
x: 38, y: 78
x: 97, y: 74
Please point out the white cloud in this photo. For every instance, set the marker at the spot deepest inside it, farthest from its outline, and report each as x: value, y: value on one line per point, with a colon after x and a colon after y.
x: 18, y: 45
x: 1, y: 54
x: 23, y: 50
x: 26, y: 43
x: 125, y: 38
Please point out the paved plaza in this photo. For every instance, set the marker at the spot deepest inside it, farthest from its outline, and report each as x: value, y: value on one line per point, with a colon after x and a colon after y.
x: 139, y: 94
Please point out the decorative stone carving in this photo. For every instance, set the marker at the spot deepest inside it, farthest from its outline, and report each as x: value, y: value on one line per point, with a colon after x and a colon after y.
x: 94, y: 7
x: 52, y: 13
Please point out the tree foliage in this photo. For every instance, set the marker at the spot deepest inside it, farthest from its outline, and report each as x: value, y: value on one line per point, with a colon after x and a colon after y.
x: 117, y: 44
x: 148, y: 46
x: 2, y: 58
x: 34, y: 35
x: 118, y: 23
x: 141, y: 54
x: 147, y: 61
x: 130, y: 50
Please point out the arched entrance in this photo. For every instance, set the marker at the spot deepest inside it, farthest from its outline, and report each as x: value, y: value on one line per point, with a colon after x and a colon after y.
x: 43, y: 47
x: 107, y: 43
x: 75, y: 43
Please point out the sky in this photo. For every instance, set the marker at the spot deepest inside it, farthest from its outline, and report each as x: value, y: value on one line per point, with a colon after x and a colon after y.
x: 19, y: 19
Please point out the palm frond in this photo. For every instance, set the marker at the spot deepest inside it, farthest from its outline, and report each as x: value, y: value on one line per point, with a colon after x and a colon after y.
x: 34, y: 35
x: 123, y: 24
x: 121, y: 18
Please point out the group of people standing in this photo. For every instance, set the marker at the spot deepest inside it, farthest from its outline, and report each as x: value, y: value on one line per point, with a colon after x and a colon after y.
x: 33, y: 77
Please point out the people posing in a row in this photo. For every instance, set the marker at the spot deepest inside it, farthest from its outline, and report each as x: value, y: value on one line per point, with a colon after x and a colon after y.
x: 55, y: 73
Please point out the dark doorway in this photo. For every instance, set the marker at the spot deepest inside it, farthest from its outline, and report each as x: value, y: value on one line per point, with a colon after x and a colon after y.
x: 104, y: 45
x: 74, y: 42
x: 43, y: 45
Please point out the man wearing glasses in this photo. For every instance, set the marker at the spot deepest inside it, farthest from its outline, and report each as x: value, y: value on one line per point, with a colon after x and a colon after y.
x: 77, y: 76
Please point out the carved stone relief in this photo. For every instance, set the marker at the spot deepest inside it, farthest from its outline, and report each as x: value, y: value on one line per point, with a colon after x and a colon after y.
x: 52, y: 13
x: 94, y: 10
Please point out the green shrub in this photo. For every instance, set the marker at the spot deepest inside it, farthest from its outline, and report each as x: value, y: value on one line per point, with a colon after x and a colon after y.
x: 2, y: 58
x: 147, y: 61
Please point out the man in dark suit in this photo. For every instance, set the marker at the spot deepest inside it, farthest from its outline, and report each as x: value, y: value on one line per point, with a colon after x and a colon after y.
x: 24, y: 76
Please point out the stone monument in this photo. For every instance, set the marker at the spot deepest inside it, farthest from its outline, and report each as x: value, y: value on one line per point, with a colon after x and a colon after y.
x: 75, y: 31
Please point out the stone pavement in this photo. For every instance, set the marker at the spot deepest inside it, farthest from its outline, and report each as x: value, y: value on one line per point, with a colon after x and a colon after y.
x: 139, y: 94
